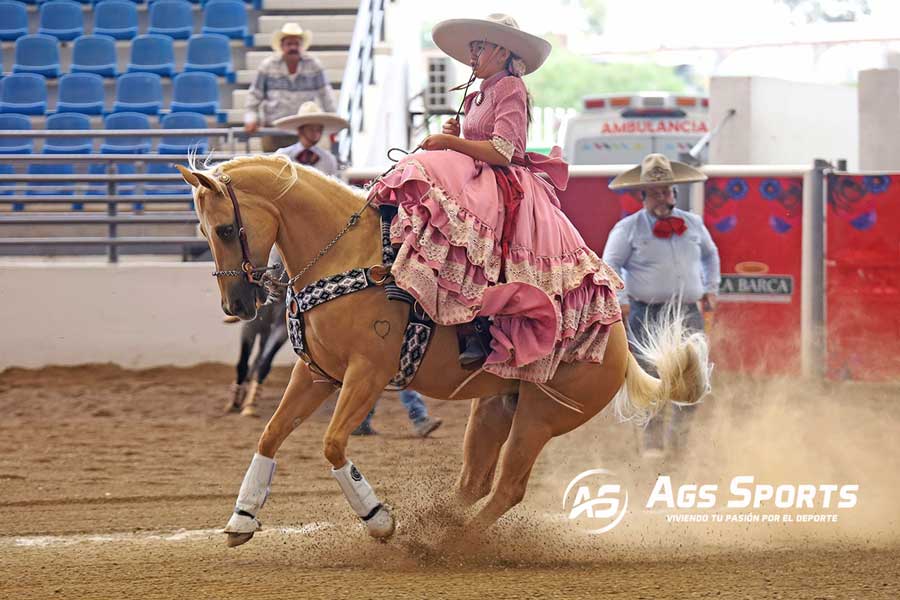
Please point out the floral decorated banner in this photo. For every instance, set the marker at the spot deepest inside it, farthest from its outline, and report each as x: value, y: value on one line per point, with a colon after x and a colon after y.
x: 862, y: 275
x: 756, y: 223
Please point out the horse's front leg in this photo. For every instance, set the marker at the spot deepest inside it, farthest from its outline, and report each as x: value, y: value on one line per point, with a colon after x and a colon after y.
x: 301, y: 398
x: 362, y: 386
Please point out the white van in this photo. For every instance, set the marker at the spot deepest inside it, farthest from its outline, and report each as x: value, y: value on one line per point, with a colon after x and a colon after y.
x: 620, y: 129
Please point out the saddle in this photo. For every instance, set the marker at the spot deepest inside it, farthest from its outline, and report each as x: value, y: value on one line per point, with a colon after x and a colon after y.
x: 420, y: 326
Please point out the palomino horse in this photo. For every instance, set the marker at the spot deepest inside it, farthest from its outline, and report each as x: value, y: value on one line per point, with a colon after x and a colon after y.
x: 357, y: 338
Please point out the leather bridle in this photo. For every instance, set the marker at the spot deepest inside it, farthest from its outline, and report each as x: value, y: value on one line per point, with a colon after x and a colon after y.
x: 259, y: 275
x: 254, y: 275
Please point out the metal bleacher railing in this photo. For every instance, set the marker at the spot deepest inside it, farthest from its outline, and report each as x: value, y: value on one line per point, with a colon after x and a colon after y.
x: 358, y: 73
x: 96, y: 199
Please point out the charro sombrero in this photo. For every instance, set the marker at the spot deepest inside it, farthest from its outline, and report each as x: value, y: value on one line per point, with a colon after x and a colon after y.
x: 454, y: 36
x: 291, y: 30
x: 656, y: 170
x: 310, y: 114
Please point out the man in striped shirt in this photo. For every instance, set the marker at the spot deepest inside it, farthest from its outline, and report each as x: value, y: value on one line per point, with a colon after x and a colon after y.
x: 283, y: 82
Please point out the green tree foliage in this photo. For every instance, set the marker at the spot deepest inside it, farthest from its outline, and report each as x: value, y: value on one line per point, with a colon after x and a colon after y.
x: 566, y: 78
x: 813, y: 11
x: 596, y: 14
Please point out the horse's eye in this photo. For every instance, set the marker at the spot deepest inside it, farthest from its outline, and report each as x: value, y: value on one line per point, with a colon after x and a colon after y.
x: 226, y: 232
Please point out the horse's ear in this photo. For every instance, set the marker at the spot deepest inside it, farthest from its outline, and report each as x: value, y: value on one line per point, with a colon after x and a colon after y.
x: 196, y: 178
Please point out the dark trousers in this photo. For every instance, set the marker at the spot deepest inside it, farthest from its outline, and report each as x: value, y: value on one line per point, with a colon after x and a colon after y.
x: 640, y: 316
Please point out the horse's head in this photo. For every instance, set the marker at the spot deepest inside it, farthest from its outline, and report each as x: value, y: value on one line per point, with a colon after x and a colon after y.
x: 219, y: 224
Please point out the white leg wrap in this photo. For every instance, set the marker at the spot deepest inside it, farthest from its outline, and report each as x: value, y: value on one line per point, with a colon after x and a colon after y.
x: 252, y: 496
x: 363, y: 500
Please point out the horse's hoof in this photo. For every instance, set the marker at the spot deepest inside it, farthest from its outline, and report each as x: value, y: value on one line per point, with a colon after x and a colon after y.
x: 249, y: 411
x: 381, y: 525
x: 236, y: 539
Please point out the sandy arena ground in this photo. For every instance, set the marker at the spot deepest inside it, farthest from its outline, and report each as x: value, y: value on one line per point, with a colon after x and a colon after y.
x: 115, y: 484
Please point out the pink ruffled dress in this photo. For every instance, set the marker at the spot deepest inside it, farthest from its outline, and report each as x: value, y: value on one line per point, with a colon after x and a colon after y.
x: 550, y: 297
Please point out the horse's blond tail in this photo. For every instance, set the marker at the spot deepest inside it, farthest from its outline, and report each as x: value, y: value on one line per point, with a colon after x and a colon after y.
x: 682, y: 360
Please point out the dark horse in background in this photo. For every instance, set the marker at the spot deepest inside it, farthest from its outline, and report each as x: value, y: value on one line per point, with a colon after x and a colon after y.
x: 270, y: 328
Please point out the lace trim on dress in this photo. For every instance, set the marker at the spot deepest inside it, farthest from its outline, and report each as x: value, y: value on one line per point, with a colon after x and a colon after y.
x: 503, y: 146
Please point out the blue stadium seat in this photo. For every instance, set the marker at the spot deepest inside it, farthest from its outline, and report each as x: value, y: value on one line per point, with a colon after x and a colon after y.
x: 116, y: 18
x: 37, y: 53
x: 24, y: 93
x: 61, y: 145
x: 196, y: 92
x: 68, y: 145
x: 95, y: 54
x: 126, y: 145
x: 81, y: 93
x: 138, y: 92
x: 11, y: 145
x: 62, y: 19
x: 13, y: 20
x: 173, y: 18
x: 122, y: 145
x: 226, y: 17
x: 58, y: 188
x: 152, y: 54
x: 210, y: 53
x: 183, y: 145
x: 165, y: 168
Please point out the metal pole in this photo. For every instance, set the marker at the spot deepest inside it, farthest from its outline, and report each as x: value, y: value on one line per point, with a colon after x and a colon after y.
x: 111, y: 210
x: 814, y: 354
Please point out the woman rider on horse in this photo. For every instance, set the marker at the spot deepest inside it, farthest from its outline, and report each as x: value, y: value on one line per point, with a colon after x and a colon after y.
x: 481, y: 233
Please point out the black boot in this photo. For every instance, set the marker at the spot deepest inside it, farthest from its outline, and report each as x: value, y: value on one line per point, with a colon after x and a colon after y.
x: 474, y: 353
x: 474, y: 340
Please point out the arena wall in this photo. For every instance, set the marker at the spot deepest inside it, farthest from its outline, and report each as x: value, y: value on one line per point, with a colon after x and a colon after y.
x: 136, y: 315
x: 783, y: 122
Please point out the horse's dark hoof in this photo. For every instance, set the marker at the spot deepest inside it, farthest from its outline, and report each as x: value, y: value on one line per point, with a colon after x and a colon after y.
x: 236, y: 539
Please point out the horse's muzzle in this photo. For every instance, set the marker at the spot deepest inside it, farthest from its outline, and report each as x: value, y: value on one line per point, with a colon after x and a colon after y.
x: 242, y: 300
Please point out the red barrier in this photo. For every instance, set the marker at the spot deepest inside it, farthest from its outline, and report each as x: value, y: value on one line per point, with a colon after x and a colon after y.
x: 594, y: 209
x: 862, y: 292
x: 756, y: 223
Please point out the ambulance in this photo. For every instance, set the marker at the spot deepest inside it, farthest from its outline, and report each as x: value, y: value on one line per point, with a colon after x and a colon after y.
x: 620, y: 129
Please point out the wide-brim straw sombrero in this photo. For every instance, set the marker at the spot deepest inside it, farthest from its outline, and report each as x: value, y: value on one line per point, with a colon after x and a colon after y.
x: 454, y: 36
x: 654, y: 171
x: 310, y: 114
x: 291, y: 30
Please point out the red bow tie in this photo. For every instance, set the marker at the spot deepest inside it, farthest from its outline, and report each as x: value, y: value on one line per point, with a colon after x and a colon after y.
x: 665, y: 228
x: 307, y: 157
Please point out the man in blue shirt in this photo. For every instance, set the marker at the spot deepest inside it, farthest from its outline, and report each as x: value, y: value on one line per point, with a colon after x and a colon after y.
x: 664, y: 255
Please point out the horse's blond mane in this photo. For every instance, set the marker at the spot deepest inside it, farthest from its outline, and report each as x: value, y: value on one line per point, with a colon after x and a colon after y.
x: 287, y: 170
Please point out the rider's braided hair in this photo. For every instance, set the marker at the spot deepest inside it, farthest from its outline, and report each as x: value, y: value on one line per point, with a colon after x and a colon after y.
x: 515, y: 66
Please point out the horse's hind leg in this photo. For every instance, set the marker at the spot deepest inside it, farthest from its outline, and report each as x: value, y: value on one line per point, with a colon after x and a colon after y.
x: 361, y: 389
x: 530, y: 431
x: 301, y: 398
x: 488, y: 427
